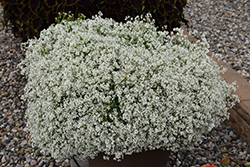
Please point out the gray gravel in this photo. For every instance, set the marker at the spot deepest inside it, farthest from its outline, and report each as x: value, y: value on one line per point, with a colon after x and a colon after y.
x: 227, y: 23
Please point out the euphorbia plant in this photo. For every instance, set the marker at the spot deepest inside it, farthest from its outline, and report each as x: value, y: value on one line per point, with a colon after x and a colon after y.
x: 97, y: 85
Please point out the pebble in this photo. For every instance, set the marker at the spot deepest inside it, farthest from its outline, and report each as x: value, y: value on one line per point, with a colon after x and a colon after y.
x: 227, y: 23
x: 3, y: 160
x: 33, y: 162
x: 21, y: 152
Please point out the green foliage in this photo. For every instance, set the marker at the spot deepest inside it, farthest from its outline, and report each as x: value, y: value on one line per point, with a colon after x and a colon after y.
x: 29, y: 17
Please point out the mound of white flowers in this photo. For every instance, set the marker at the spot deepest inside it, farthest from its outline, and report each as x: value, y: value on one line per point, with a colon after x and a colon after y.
x: 97, y: 85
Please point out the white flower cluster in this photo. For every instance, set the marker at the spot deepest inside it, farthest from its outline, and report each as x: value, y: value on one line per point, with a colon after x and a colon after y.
x: 97, y: 85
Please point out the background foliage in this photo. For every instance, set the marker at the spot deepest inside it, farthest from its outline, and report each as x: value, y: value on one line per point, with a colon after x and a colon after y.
x: 29, y: 17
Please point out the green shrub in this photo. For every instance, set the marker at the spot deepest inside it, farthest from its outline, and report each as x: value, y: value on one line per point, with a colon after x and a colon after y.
x: 29, y: 17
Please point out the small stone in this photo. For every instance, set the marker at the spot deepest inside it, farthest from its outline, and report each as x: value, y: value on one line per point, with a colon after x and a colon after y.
x: 51, y: 164
x: 239, y: 145
x: 24, y: 142
x: 17, y: 111
x: 40, y: 163
x: 239, y: 162
x: 244, y: 145
x: 21, y: 158
x: 38, y: 154
x: 242, y: 153
x: 219, y: 45
x: 4, y: 133
x: 9, y: 112
x: 4, y: 94
x: 219, y: 128
x: 224, y: 151
x: 29, y: 158
x: 3, y: 160
x: 58, y: 164
x: 204, y: 159
x: 33, y: 162
x: 21, y: 152
x: 192, y: 152
x: 28, y: 150
x: 178, y: 163
x: 231, y: 133
x: 18, y: 165
x: 228, y: 138
x: 210, y: 145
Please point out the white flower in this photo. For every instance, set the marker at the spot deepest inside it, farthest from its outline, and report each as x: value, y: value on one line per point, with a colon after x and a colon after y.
x: 96, y: 85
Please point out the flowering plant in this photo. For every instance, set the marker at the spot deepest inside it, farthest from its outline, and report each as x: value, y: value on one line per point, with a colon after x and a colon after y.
x: 209, y: 165
x: 97, y: 85
x: 225, y: 161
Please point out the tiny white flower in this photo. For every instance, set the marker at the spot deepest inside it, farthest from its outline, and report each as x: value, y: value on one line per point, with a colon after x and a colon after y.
x: 96, y: 85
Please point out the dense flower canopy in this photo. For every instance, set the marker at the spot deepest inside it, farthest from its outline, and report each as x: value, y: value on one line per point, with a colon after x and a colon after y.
x: 97, y: 85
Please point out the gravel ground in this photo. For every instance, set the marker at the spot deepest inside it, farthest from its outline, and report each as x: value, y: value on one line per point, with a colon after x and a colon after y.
x: 227, y: 23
